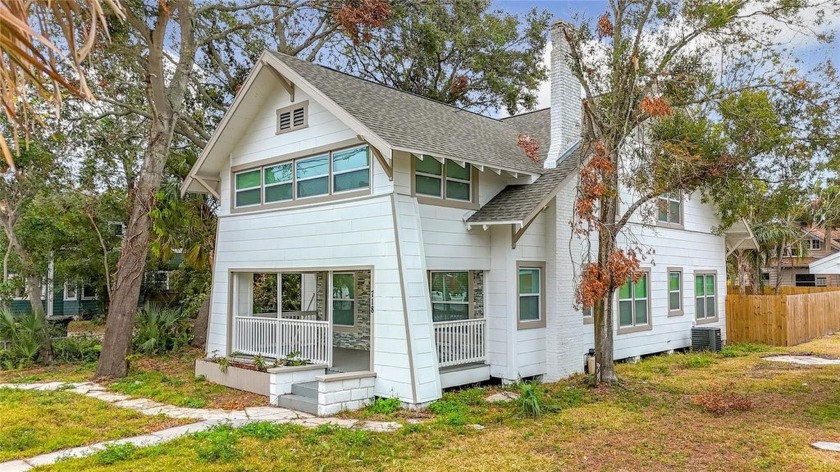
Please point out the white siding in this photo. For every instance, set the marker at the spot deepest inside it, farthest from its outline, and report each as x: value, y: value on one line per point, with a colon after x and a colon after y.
x: 691, y: 249
x: 260, y: 141
x: 530, y: 348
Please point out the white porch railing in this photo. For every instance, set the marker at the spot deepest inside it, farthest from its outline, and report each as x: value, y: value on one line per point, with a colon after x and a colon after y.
x: 277, y: 338
x: 460, y: 342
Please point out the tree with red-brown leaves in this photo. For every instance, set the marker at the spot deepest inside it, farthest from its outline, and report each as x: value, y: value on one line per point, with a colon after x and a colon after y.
x: 664, y: 85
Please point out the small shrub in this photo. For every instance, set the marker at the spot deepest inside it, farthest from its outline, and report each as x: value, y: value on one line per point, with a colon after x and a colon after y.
x: 77, y: 349
x: 384, y: 406
x: 217, y: 444
x: 260, y: 363
x: 720, y: 401
x: 741, y: 350
x: 115, y: 453
x: 24, y: 335
x: 530, y: 399
x: 161, y: 330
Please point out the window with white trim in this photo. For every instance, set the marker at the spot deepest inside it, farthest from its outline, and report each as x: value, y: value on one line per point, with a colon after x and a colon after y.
x: 447, y: 181
x: 71, y: 292
x: 821, y: 281
x: 634, y: 303
x: 705, y: 294
x: 336, y: 172
x: 670, y: 208
x: 344, y: 298
x: 675, y: 291
x: 450, y: 295
x: 89, y: 292
x: 814, y: 244
x: 158, y: 280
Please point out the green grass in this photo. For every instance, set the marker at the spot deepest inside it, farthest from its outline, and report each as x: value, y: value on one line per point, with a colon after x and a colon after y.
x: 649, y: 422
x: 168, y: 379
x: 39, y: 422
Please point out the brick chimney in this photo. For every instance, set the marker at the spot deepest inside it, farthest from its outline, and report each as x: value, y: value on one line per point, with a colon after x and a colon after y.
x: 565, y: 98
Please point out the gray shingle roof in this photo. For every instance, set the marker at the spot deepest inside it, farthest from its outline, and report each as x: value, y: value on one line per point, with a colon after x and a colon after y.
x: 537, y: 124
x: 409, y: 121
x: 516, y: 202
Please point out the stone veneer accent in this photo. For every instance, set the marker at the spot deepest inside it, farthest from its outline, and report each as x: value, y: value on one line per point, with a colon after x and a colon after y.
x: 358, y: 337
x: 478, y: 293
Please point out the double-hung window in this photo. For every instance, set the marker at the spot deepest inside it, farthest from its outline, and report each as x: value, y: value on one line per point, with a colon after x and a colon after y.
x: 448, y: 181
x: 531, y: 303
x: 70, y: 292
x: 278, y: 183
x: 337, y: 172
x: 351, y: 169
x: 344, y: 299
x: 670, y: 209
x: 675, y: 292
x: 450, y: 295
x: 248, y: 190
x: 634, y: 304
x: 814, y: 244
x: 313, y: 176
x: 705, y: 295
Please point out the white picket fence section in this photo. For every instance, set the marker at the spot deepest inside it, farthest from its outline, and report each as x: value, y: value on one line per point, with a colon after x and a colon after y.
x: 277, y: 338
x: 460, y: 342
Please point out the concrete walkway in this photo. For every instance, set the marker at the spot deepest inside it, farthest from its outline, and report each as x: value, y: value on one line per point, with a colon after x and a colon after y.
x: 803, y: 360
x: 206, y: 418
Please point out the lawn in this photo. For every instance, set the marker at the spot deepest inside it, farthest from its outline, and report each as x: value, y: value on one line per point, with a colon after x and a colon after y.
x: 39, y: 422
x: 168, y: 379
x: 729, y: 411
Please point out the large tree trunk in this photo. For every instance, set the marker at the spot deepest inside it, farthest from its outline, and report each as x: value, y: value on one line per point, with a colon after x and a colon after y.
x: 604, y: 355
x: 201, y: 322
x: 122, y: 308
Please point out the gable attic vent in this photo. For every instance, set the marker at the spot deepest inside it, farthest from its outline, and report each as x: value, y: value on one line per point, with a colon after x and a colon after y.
x: 292, y: 117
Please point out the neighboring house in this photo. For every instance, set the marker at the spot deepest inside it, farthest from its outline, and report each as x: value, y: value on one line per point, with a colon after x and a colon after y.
x: 378, y: 232
x: 60, y: 301
x: 810, y: 269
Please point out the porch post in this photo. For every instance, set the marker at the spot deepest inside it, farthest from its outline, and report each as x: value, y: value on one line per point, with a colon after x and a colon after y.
x: 328, y: 308
x: 278, y: 325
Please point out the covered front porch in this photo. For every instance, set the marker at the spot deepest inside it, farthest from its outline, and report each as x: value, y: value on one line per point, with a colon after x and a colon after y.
x: 322, y: 317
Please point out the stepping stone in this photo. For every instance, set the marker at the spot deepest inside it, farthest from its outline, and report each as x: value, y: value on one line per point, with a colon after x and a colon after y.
x: 270, y: 413
x: 107, y: 397
x: 476, y: 427
x: 803, y: 360
x: 178, y: 431
x: 502, y: 397
x: 138, y: 404
x: 380, y: 426
x: 139, y: 441
x: 53, y: 457
x: 14, y: 466
x: 826, y: 446
x: 49, y: 386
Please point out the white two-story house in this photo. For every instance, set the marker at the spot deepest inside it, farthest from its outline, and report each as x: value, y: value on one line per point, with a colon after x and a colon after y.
x: 413, y: 245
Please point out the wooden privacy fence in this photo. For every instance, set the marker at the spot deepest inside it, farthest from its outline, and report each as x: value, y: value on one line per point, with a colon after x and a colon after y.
x: 783, y: 290
x: 781, y: 320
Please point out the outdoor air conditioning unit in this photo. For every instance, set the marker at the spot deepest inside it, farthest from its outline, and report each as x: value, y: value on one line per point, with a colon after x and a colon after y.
x: 705, y: 339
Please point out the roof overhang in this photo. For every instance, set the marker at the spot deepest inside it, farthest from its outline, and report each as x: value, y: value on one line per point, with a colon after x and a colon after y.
x: 827, y: 265
x: 738, y: 237
x: 481, y: 166
x: 204, y: 174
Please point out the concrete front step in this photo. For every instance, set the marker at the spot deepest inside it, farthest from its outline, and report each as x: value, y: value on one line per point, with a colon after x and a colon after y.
x: 306, y: 389
x: 299, y: 403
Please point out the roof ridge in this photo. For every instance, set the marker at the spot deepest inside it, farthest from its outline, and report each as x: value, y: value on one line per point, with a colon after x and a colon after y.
x: 438, y: 102
x: 529, y: 112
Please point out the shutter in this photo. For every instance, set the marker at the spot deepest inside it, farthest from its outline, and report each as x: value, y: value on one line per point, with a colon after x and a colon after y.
x: 284, y: 121
x: 298, y: 118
